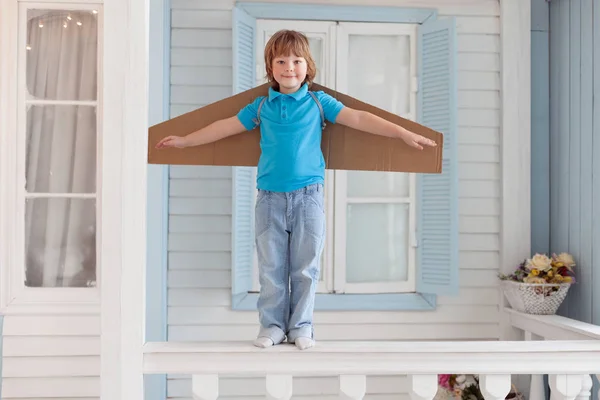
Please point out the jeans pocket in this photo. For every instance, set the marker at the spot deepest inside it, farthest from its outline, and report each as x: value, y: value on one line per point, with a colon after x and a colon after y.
x: 262, y: 214
x: 314, y: 213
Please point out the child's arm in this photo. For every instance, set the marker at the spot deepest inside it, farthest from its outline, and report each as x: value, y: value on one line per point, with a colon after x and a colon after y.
x: 216, y: 131
x: 367, y: 122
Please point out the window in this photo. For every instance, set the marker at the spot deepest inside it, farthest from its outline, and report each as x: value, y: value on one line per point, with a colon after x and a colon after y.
x: 417, y: 257
x: 51, y: 157
x: 371, y: 242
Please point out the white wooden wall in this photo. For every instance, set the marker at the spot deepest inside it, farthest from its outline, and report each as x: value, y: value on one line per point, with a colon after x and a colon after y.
x: 200, y: 205
x: 51, y: 357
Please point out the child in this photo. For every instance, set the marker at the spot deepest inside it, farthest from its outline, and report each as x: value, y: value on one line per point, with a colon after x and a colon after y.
x: 290, y: 217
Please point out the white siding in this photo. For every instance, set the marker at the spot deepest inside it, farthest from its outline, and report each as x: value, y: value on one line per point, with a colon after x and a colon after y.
x: 51, y: 357
x: 200, y: 206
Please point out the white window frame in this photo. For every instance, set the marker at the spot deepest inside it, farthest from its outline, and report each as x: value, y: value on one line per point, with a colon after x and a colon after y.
x: 335, y: 36
x: 341, y: 177
x: 15, y: 297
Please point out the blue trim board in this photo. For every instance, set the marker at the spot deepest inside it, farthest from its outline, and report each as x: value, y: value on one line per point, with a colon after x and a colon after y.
x: 346, y: 302
x: 155, y: 386
x: 337, y: 12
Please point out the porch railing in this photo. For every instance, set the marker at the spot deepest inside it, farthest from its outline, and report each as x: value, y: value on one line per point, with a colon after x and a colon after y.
x: 552, y: 328
x: 568, y: 365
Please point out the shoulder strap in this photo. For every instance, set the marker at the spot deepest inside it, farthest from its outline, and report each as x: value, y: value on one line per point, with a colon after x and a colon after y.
x: 320, y: 108
x: 257, y: 119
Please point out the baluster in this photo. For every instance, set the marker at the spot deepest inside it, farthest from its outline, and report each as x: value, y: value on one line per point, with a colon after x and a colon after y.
x: 353, y: 387
x: 494, y: 387
x: 598, y: 377
x: 205, y: 387
x: 423, y: 387
x: 586, y: 388
x: 565, y: 387
x: 279, y: 387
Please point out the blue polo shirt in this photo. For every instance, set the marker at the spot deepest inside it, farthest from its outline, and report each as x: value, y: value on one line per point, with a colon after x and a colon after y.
x: 290, y: 139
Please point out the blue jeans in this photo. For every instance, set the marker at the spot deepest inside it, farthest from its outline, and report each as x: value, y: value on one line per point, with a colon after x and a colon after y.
x: 290, y: 234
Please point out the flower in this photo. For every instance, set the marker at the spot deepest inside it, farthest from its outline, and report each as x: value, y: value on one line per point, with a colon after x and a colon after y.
x: 533, y: 279
x: 535, y: 272
x: 539, y: 261
x: 444, y: 381
x: 565, y: 259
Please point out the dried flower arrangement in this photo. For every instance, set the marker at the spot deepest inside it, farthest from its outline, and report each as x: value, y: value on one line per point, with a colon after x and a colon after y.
x: 542, y: 269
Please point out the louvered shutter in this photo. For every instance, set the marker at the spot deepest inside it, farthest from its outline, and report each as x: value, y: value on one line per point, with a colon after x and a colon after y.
x: 437, y: 268
x: 244, y: 34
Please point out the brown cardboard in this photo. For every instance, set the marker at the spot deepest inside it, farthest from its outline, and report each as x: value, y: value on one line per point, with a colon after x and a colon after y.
x: 343, y: 148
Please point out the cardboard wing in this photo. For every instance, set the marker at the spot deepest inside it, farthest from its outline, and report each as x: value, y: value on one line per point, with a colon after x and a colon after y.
x: 343, y: 148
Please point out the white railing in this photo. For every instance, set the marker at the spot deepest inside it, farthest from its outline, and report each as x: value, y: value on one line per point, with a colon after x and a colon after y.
x: 568, y: 365
x: 553, y: 328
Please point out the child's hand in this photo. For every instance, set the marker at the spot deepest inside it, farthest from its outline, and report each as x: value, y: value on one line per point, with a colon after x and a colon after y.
x: 172, y: 141
x: 414, y: 140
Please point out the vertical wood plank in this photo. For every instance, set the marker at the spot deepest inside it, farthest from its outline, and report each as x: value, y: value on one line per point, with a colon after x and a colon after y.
x: 596, y: 167
x: 564, y: 125
x: 561, y: 219
x: 554, y: 107
x: 574, y: 144
x: 584, y: 262
x: 540, y: 141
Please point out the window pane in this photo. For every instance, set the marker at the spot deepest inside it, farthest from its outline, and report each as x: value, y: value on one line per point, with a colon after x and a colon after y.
x: 383, y: 65
x: 316, y: 49
x: 376, y: 244
x: 61, y: 149
x: 377, y: 184
x: 60, y: 242
x: 62, y: 51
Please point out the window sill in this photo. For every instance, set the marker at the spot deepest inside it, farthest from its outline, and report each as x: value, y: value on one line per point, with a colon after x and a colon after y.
x: 60, y: 300
x: 353, y: 302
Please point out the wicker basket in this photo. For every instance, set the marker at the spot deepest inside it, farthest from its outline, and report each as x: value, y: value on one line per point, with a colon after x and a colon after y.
x: 535, y: 298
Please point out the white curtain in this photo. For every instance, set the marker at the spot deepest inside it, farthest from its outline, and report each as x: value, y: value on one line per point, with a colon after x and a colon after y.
x: 60, y: 229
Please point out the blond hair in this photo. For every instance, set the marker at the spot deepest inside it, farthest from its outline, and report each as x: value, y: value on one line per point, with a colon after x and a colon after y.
x: 285, y: 43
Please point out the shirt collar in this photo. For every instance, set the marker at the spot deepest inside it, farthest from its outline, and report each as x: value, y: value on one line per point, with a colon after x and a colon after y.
x: 297, y: 95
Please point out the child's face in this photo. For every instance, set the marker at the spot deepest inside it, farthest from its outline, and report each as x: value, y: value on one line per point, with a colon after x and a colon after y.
x: 289, y: 72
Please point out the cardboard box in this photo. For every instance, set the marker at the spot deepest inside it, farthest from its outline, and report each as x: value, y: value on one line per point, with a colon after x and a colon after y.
x: 343, y: 148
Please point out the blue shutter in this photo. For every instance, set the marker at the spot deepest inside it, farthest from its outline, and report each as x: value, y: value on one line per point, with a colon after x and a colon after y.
x: 437, y: 200
x: 244, y: 66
